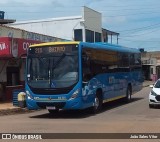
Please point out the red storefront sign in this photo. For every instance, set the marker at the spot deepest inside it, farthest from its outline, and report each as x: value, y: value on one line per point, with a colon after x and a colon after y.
x: 23, y: 45
x: 14, y: 47
x: 5, y: 43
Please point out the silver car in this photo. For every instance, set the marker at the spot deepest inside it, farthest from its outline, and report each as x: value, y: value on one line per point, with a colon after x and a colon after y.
x: 154, y: 95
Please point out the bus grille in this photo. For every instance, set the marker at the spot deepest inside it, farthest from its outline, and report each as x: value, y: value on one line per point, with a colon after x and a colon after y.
x: 56, y: 104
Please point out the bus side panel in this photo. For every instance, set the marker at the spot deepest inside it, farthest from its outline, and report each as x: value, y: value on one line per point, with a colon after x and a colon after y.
x: 107, y: 81
x: 121, y: 83
x: 136, y: 81
x: 113, y: 85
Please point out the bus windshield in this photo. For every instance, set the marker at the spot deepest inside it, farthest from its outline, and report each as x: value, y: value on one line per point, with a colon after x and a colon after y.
x: 52, y: 70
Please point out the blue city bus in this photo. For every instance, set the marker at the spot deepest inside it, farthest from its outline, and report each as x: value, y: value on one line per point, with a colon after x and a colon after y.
x: 79, y: 75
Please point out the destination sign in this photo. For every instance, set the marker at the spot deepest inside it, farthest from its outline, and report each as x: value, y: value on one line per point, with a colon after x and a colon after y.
x: 53, y: 49
x: 57, y: 49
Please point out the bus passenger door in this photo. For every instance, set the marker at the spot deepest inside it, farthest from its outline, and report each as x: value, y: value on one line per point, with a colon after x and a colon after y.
x: 87, y: 87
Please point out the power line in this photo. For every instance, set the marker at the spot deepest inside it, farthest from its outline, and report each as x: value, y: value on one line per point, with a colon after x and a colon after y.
x: 142, y: 33
x: 131, y: 31
x: 132, y: 14
x: 141, y: 27
x: 139, y: 40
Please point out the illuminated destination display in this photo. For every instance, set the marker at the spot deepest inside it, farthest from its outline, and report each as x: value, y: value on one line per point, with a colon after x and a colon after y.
x: 52, y: 49
x: 57, y: 49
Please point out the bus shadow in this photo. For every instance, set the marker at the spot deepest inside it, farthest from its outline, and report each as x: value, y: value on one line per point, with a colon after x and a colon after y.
x: 65, y: 114
x: 78, y: 114
x: 117, y: 103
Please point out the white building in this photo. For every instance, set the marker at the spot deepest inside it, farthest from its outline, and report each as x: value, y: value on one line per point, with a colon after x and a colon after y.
x: 87, y: 27
x: 151, y: 65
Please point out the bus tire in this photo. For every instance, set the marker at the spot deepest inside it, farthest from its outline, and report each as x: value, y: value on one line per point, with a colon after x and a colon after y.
x: 51, y: 111
x: 97, y: 103
x: 128, y: 97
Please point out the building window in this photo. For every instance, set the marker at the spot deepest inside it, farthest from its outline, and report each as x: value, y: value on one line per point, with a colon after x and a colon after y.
x: 151, y: 70
x: 78, y: 35
x: 89, y: 36
x: 97, y: 37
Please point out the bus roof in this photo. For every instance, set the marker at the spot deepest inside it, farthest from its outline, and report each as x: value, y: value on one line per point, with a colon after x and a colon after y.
x: 54, y: 43
x: 97, y: 45
x: 111, y: 47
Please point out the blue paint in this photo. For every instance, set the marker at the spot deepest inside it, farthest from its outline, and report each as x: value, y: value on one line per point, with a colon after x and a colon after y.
x: 111, y: 84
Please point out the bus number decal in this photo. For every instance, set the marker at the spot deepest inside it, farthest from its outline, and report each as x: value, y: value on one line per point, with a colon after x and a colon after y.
x: 38, y: 50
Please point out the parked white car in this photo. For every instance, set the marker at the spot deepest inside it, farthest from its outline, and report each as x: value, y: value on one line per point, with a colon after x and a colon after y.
x: 154, y: 95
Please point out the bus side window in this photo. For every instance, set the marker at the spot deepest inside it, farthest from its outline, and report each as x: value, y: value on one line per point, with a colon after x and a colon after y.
x: 132, y: 59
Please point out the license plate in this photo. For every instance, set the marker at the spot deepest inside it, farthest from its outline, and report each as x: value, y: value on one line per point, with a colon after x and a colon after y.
x: 51, y: 107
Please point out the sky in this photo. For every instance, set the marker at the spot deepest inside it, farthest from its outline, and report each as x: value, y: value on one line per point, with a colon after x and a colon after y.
x: 137, y: 21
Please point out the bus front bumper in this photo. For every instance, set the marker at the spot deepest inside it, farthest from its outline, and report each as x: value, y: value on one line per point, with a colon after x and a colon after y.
x: 69, y: 104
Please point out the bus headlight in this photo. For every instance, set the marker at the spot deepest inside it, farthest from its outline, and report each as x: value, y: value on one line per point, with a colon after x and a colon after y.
x: 29, y: 95
x: 75, y: 94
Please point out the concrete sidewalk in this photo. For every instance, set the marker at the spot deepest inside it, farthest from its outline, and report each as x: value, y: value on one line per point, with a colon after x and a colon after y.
x: 146, y: 83
x: 7, y: 108
x: 6, y: 105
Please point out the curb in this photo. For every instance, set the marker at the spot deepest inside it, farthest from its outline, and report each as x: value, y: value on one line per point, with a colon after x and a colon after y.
x: 145, y: 85
x: 11, y: 111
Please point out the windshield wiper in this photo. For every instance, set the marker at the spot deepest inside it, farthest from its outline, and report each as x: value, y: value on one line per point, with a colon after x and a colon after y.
x: 55, y: 65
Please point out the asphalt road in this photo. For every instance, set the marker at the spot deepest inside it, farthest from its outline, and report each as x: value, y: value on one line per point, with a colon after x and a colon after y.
x: 115, y: 117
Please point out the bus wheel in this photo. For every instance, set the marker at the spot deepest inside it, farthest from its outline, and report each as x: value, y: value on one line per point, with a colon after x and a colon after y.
x: 128, y: 94
x: 97, y: 103
x: 53, y: 111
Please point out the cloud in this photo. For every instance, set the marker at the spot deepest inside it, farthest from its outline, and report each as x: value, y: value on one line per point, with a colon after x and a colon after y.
x: 114, y: 20
x: 117, y: 15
